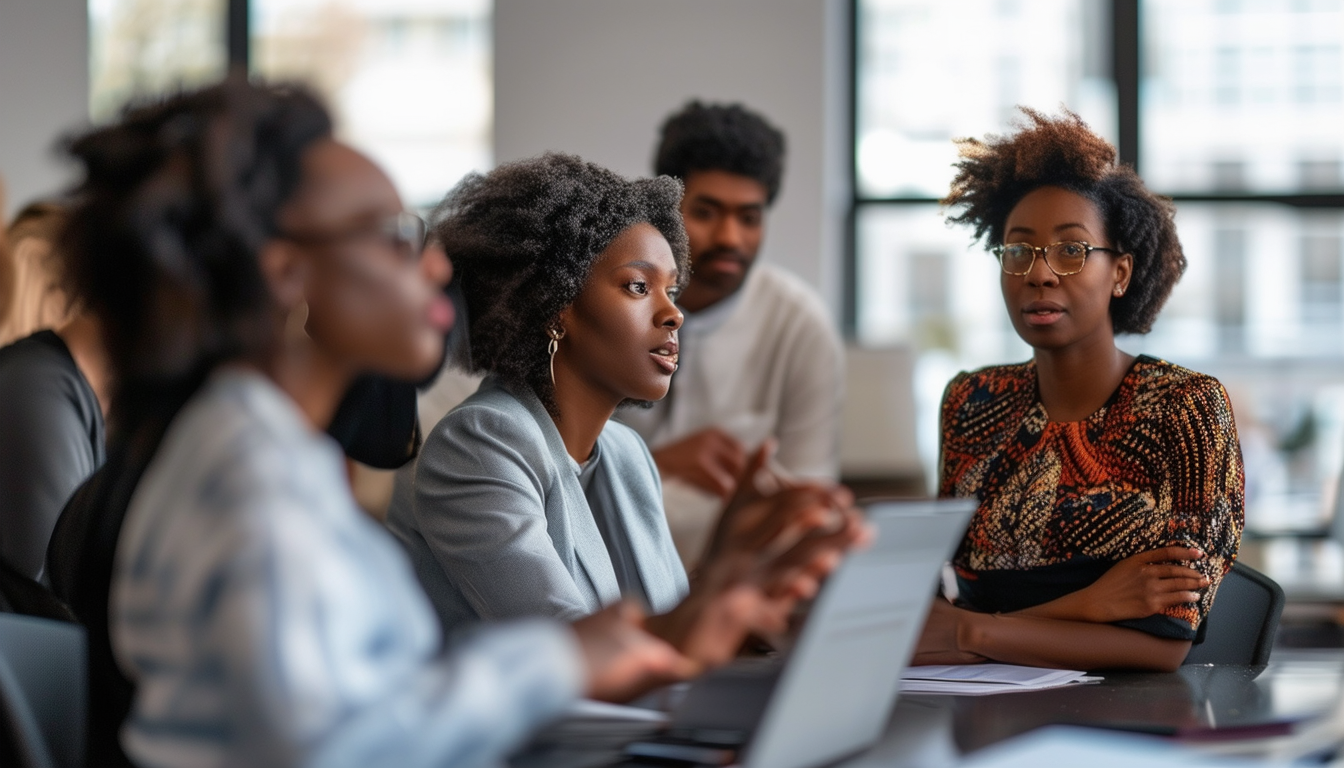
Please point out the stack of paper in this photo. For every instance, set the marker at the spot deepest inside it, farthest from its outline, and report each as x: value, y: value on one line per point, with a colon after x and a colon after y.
x: 982, y: 679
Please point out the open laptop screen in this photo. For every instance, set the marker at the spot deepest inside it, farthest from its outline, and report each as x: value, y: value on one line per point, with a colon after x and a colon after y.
x: 840, y: 682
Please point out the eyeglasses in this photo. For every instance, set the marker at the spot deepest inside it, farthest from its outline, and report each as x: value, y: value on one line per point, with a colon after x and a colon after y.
x: 404, y: 231
x: 1063, y: 258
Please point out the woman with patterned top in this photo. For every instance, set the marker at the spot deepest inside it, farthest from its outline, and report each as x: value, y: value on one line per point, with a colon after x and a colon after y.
x: 1110, y: 486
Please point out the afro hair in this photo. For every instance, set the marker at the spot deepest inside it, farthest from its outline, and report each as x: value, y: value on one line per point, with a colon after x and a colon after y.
x: 994, y: 175
x: 716, y: 137
x: 177, y: 198
x: 523, y: 239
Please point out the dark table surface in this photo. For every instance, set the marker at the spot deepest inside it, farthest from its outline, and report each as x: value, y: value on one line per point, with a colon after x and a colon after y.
x: 1194, y: 703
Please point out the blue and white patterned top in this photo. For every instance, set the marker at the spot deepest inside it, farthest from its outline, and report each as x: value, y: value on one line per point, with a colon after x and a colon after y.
x: 266, y: 621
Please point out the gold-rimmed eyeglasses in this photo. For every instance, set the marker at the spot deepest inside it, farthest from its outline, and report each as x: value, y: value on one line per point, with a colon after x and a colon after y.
x: 1063, y: 258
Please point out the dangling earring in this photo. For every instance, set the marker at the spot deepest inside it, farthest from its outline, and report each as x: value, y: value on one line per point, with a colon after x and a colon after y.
x: 296, y: 323
x: 556, y: 335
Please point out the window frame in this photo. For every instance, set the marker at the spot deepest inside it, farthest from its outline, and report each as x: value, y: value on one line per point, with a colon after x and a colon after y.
x: 1126, y: 41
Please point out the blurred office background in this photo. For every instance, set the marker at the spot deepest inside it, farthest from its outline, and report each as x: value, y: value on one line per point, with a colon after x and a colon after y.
x: 1235, y: 108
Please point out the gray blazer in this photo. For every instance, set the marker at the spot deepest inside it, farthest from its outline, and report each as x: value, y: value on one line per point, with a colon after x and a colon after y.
x: 498, y: 526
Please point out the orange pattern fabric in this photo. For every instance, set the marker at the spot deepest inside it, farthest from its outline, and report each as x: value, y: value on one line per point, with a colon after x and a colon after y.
x: 1060, y: 502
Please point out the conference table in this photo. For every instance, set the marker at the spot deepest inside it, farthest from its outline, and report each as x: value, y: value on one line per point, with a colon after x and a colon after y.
x: 1197, y: 704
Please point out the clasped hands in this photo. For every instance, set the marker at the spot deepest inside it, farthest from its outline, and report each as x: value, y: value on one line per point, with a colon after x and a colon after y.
x: 775, y: 542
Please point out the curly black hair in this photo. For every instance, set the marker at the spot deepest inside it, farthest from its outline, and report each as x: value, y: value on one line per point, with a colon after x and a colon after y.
x: 177, y: 198
x: 523, y: 239
x: 994, y: 175
x: 719, y: 137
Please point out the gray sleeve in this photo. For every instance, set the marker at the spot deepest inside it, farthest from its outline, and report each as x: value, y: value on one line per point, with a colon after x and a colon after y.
x: 480, y: 506
x: 809, y: 420
x: 45, y: 453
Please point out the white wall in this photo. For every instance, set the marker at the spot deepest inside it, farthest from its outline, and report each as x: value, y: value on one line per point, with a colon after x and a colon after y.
x: 597, y: 78
x: 44, y: 92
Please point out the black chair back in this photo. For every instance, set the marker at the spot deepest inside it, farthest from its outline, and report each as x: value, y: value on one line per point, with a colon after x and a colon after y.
x: 1241, y: 623
x: 79, y: 563
x: 20, y: 594
x: 42, y: 692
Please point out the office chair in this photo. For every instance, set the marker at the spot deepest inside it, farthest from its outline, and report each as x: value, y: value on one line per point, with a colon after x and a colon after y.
x: 1242, y: 621
x: 42, y: 692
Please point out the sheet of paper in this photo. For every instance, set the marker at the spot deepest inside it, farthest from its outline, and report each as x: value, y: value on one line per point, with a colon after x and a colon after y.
x: 983, y: 689
x: 1008, y: 674
x: 982, y: 679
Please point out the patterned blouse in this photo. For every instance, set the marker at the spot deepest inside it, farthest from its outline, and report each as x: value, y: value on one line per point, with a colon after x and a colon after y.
x: 1060, y: 502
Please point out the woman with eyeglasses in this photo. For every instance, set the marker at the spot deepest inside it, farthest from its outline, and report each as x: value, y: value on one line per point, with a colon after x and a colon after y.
x: 246, y: 266
x: 1110, y: 486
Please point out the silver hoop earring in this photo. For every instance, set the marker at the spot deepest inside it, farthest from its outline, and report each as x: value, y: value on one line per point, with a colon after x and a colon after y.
x: 556, y: 335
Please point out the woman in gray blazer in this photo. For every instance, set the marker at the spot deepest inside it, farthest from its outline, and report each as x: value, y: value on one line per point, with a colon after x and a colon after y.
x: 527, y: 499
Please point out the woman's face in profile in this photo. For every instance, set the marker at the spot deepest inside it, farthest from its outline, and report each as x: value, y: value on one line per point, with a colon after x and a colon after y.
x: 375, y: 299
x: 1051, y: 311
x: 621, y: 332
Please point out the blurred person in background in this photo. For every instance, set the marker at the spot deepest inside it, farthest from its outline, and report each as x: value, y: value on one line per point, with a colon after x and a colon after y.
x: 54, y: 392
x: 246, y: 266
x: 37, y: 297
x: 760, y: 357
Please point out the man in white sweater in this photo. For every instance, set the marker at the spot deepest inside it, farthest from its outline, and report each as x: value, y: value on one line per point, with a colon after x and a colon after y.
x: 760, y: 357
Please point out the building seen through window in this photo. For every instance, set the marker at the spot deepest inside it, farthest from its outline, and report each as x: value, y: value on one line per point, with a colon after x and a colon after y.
x: 408, y: 81
x: 143, y: 48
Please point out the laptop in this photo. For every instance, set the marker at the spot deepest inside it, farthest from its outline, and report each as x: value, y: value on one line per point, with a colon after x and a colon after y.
x: 833, y: 694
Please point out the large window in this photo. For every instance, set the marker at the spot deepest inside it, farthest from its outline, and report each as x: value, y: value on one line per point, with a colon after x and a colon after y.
x: 408, y: 81
x: 1234, y: 108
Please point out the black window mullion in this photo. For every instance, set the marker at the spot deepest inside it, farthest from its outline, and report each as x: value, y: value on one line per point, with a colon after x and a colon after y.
x: 1125, y: 69
x: 849, y: 287
x: 238, y: 38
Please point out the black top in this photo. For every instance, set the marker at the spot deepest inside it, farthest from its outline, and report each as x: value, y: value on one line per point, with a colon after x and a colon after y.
x: 51, y: 440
